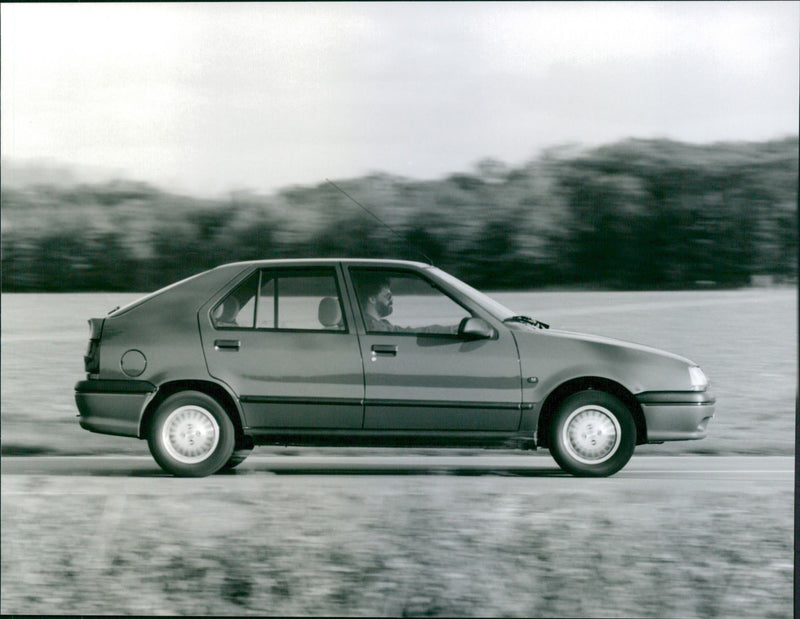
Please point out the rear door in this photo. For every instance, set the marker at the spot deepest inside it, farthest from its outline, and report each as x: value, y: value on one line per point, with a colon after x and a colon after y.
x: 284, y: 343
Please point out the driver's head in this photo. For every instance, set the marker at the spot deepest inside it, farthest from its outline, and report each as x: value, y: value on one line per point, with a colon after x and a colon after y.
x: 376, y: 294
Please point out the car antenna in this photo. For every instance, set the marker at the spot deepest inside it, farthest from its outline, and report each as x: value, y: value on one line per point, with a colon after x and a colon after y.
x: 385, y: 225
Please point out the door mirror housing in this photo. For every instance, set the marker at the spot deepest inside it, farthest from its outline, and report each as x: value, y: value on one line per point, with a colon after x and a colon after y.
x: 475, y: 328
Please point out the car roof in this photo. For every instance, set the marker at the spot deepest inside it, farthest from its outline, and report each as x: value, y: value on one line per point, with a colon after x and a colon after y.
x: 328, y: 261
x: 189, y: 287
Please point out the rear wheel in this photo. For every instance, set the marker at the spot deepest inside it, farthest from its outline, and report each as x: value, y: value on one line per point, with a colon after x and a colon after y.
x: 191, y: 435
x: 243, y: 447
x: 592, y: 434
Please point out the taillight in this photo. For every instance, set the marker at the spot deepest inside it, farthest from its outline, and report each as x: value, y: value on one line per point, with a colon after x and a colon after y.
x: 91, y: 360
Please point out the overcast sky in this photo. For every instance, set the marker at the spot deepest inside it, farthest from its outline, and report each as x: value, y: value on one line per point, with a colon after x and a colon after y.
x: 207, y: 98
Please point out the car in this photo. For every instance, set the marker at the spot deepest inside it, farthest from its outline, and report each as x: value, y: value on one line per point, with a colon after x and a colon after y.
x: 360, y: 352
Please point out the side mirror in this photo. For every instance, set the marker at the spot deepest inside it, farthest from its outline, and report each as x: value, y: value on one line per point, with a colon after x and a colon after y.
x: 476, y: 329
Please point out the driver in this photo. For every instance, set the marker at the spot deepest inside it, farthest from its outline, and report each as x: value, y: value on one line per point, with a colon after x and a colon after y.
x: 377, y: 305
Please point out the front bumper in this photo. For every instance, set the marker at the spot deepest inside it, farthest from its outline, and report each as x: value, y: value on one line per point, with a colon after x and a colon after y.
x: 676, y: 415
x: 112, y: 406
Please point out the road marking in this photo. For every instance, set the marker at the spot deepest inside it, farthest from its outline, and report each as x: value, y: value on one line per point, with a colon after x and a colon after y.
x: 124, y: 467
x: 111, y: 511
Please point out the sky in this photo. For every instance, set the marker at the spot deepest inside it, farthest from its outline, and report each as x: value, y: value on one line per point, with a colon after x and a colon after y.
x: 210, y: 98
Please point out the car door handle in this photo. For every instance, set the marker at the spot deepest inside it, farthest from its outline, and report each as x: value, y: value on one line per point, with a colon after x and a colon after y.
x: 227, y: 344
x: 384, y: 349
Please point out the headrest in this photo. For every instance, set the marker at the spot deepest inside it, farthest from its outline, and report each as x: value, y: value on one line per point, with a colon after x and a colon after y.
x: 230, y: 308
x: 330, y: 314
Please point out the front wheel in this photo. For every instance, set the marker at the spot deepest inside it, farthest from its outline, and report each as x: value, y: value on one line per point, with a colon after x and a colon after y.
x: 592, y: 434
x: 191, y: 435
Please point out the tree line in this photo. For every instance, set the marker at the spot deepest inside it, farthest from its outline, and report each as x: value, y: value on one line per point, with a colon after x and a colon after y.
x: 631, y: 215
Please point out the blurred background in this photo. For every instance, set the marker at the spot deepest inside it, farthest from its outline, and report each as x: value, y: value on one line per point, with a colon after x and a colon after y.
x: 518, y: 145
x: 637, y: 214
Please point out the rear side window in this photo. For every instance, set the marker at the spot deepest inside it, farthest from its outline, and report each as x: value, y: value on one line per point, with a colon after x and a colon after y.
x: 238, y: 309
x: 284, y: 299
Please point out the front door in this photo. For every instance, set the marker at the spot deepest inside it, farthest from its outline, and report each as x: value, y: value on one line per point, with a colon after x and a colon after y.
x: 419, y: 374
x: 282, y: 343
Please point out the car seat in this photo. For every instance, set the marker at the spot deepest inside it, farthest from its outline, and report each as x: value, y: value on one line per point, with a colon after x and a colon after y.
x: 230, y: 309
x: 330, y: 313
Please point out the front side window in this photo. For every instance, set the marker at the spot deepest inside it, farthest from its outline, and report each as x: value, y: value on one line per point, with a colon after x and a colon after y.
x: 286, y: 299
x: 405, y: 302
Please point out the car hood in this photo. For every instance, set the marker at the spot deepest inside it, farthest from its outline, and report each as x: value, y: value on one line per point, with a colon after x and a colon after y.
x: 610, y: 341
x: 554, y: 357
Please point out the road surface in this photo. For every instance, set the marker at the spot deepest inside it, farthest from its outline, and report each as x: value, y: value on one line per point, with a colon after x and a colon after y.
x: 374, y: 535
x: 688, y: 468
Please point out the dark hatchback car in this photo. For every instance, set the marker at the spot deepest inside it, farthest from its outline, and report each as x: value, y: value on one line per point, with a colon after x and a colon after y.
x: 371, y: 352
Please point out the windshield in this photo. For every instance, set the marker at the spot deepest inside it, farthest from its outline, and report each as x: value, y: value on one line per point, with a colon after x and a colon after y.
x: 498, y: 310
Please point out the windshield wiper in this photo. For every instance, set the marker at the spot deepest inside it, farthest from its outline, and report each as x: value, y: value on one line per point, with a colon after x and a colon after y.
x: 527, y: 320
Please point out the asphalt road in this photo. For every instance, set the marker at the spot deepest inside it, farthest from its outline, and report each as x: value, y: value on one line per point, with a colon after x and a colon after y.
x: 366, y: 534
x: 690, y: 468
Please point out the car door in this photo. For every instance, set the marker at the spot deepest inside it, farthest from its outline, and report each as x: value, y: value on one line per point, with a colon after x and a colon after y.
x: 281, y: 341
x: 419, y: 374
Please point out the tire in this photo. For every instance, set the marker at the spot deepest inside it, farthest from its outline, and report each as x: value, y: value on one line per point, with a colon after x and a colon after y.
x: 191, y: 435
x: 239, y: 456
x: 242, y: 448
x: 592, y: 434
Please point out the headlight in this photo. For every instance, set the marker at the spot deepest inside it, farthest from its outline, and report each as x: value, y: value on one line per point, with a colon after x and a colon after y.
x: 697, y: 379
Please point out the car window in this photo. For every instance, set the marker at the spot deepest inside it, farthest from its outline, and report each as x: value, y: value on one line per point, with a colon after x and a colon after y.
x: 305, y: 300
x: 237, y: 310
x: 405, y: 302
x: 499, y: 311
x: 290, y: 299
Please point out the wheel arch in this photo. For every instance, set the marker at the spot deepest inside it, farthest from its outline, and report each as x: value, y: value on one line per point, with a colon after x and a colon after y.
x: 214, y: 390
x: 597, y: 383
